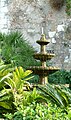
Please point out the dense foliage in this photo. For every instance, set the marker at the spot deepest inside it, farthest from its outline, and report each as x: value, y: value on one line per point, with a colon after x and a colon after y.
x: 44, y: 102
x: 60, y: 77
x: 38, y: 111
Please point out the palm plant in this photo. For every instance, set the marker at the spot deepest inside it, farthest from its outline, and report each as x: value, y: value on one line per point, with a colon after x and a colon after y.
x: 16, y: 49
x: 56, y: 95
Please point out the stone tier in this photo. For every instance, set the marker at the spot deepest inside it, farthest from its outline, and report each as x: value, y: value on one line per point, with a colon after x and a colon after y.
x: 43, y: 56
x: 43, y: 42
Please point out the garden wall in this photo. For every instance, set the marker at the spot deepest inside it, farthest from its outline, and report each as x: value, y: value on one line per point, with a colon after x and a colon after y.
x: 30, y: 17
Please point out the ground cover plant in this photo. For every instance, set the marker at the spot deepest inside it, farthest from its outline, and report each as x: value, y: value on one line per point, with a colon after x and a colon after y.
x: 38, y: 111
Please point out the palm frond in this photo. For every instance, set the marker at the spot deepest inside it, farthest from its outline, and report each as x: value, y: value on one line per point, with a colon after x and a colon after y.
x: 55, y: 95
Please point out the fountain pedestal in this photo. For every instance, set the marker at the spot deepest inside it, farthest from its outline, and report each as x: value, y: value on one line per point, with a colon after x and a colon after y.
x: 43, y: 71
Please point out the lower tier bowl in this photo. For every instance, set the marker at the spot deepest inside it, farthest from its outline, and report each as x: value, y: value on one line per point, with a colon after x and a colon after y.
x: 40, y: 70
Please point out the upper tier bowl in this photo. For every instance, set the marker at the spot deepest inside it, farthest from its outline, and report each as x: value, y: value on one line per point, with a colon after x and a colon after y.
x: 42, y: 42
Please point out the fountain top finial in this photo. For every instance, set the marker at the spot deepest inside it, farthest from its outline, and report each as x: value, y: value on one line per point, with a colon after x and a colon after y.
x: 43, y: 37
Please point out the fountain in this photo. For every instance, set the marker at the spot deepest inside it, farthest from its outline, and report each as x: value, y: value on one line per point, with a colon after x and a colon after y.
x: 43, y: 71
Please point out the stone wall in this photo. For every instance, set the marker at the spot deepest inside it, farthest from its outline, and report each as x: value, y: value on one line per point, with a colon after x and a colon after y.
x: 4, y: 20
x: 61, y: 43
x: 30, y: 17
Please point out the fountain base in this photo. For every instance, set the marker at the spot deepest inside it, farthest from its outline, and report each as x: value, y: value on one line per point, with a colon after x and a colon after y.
x: 43, y: 80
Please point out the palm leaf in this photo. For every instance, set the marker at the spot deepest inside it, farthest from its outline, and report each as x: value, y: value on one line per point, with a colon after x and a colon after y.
x: 6, y: 77
x: 55, y: 95
x: 5, y: 105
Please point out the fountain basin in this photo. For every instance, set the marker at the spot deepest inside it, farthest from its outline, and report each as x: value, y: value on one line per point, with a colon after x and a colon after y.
x: 40, y: 70
x: 42, y: 42
x: 43, y: 56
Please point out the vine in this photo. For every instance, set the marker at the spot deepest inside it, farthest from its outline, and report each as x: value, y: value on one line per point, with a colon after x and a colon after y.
x: 68, y: 7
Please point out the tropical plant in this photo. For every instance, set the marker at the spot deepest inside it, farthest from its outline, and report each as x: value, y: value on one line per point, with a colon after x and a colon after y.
x: 19, y: 79
x: 5, y: 72
x: 5, y: 95
x: 12, y: 88
x: 56, y: 95
x: 16, y: 49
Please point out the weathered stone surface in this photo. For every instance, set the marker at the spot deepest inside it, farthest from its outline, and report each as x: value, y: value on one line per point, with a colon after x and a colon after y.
x: 62, y: 47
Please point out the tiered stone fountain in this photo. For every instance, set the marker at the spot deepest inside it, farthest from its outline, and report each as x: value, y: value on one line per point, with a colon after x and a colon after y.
x: 43, y: 71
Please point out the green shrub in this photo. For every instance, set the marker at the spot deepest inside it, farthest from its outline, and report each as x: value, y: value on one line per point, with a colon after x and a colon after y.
x: 60, y: 77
